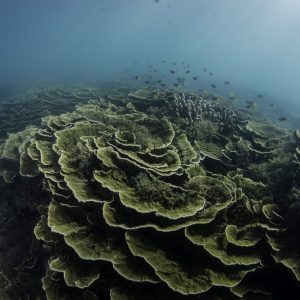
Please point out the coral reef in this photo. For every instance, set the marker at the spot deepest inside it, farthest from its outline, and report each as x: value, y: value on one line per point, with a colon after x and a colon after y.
x: 149, y: 193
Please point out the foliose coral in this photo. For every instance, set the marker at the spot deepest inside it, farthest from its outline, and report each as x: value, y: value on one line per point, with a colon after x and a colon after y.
x: 134, y: 203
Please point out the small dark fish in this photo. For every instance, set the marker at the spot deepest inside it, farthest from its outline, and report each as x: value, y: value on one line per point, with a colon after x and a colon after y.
x: 272, y: 105
x: 137, y: 77
x: 172, y: 71
x: 162, y: 84
x: 251, y: 105
x: 135, y: 63
x: 176, y: 84
x: 213, y: 86
x: 156, y: 1
x: 150, y: 66
x: 187, y: 71
x: 249, y: 101
x: 159, y: 81
x: 188, y: 65
x: 195, y: 78
x: 226, y: 82
x: 211, y: 74
x: 204, y: 70
x: 282, y: 119
x: 260, y: 96
x: 173, y: 63
x: 147, y: 81
x: 180, y: 80
x: 163, y: 61
x: 201, y: 90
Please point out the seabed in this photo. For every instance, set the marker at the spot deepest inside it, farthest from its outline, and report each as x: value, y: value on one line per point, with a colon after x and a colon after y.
x: 124, y: 193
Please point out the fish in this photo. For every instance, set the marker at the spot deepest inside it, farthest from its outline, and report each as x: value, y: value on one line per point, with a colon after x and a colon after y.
x: 204, y: 70
x: 282, y: 119
x: 210, y: 74
x: 163, y: 61
x: 226, y: 82
x: 260, y: 96
x: 195, y: 78
x: 147, y: 81
x: 187, y: 71
x: 162, y: 85
x: 180, y: 80
x: 272, y: 105
x: 156, y: 1
x: 213, y: 86
x: 176, y: 84
x: 172, y: 71
x: 150, y: 66
x: 251, y: 105
x: 137, y: 77
x: 158, y: 81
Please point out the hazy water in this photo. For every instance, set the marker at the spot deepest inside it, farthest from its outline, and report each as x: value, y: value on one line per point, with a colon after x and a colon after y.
x: 254, y: 44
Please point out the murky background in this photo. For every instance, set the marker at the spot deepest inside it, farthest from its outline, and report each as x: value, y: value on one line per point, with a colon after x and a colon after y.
x: 253, y: 44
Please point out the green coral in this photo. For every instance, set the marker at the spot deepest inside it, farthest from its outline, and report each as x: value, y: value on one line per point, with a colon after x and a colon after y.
x: 152, y: 192
x: 203, y: 130
x: 13, y: 156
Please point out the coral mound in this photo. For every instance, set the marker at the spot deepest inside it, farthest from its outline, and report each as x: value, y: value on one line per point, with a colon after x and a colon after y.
x: 153, y: 194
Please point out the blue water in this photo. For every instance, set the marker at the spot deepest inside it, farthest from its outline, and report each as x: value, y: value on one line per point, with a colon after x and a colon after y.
x: 246, y: 49
x: 253, y: 44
